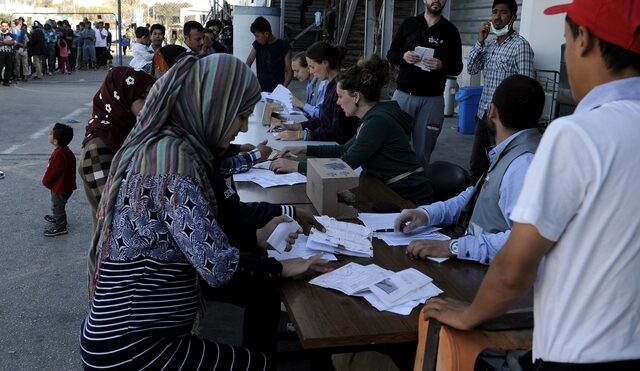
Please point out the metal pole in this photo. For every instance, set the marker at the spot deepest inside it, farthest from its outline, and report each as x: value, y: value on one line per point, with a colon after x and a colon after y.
x: 369, y: 27
x: 387, y: 29
x: 282, y: 13
x: 119, y: 48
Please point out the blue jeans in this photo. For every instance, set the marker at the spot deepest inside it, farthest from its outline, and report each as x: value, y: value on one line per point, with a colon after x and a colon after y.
x: 51, y: 58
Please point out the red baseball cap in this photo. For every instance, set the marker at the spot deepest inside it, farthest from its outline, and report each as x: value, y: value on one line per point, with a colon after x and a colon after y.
x: 614, y: 21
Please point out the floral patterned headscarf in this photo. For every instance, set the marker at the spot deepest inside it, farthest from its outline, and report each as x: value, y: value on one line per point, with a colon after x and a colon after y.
x: 112, y: 119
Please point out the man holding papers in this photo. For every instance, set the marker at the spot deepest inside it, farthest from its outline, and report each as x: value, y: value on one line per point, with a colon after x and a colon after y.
x: 482, y: 212
x: 427, y: 49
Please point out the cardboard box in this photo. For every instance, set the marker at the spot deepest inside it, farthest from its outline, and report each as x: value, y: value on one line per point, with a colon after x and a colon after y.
x: 325, y: 178
x: 269, y: 108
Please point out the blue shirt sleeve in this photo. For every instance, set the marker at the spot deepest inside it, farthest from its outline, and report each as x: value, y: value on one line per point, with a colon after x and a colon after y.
x: 447, y: 212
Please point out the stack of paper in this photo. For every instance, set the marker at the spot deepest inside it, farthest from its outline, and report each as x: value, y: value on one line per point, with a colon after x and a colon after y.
x: 267, y: 178
x: 299, y: 250
x: 397, y: 292
x: 382, y: 225
x: 423, y: 53
x: 341, y: 238
x: 283, y: 95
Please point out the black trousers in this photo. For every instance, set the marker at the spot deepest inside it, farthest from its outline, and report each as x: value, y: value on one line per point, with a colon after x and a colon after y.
x: 260, y: 298
x: 101, y: 55
x: 6, y: 62
x: 629, y: 365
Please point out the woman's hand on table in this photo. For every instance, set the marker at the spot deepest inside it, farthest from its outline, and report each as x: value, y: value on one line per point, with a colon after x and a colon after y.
x: 279, y: 125
x: 308, y: 221
x: 451, y: 312
x: 262, y: 234
x: 290, y: 135
x: 421, y: 249
x: 265, y: 151
x: 291, y: 151
x: 410, y: 219
x: 283, y: 165
x: 294, y: 267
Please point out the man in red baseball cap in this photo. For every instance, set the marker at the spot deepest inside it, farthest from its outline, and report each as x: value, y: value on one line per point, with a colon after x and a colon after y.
x: 576, y: 232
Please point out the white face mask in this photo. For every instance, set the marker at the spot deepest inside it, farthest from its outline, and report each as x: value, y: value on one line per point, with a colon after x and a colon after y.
x: 499, y: 32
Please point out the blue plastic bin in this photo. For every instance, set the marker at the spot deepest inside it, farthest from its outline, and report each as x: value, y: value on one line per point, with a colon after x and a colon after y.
x: 468, y: 99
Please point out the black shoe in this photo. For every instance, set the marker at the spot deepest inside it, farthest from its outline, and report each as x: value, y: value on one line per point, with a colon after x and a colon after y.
x: 53, y: 231
x: 50, y: 219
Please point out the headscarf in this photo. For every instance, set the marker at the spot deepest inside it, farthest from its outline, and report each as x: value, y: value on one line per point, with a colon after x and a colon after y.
x: 112, y: 118
x: 186, y: 117
x: 166, y: 57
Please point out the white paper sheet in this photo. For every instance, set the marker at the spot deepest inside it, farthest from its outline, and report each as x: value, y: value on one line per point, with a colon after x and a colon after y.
x: 378, y: 221
x: 418, y: 297
x: 393, y: 289
x: 351, y: 278
x: 278, y: 238
x: 299, y: 250
x: 341, y: 238
x: 282, y: 95
x: 420, y: 233
x: 423, y: 53
x: 267, y: 178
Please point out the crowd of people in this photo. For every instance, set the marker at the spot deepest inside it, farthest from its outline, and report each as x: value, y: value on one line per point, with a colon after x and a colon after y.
x: 52, y: 47
x: 157, y: 161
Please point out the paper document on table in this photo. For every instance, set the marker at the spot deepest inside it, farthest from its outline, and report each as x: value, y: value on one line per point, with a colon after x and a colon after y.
x: 278, y: 238
x: 267, y: 178
x: 417, y: 297
x: 423, y: 53
x: 341, y: 238
x: 352, y: 278
x: 378, y: 221
x: 393, y: 289
x: 398, y: 292
x: 299, y: 250
x: 403, y: 239
x: 283, y: 95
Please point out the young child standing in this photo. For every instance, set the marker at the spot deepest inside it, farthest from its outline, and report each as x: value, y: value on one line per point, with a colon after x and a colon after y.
x: 60, y: 178
x: 64, y: 56
x: 142, y: 52
x: 272, y: 56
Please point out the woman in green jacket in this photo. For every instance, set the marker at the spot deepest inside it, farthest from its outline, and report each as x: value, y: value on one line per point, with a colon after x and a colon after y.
x: 381, y: 145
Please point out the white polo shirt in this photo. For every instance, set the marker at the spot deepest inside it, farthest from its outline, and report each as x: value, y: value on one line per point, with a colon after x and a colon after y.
x: 582, y: 190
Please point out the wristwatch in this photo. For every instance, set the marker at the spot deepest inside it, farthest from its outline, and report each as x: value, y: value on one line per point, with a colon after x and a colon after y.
x: 453, y: 247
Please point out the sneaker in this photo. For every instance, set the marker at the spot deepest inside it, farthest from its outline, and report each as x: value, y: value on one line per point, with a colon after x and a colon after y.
x: 50, y: 74
x: 53, y: 231
x: 50, y: 219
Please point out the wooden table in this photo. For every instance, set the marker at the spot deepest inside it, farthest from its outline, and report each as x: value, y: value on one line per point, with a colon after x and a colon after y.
x: 330, y: 320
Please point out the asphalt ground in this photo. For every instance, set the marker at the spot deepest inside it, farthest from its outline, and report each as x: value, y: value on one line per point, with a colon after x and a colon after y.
x: 43, y: 280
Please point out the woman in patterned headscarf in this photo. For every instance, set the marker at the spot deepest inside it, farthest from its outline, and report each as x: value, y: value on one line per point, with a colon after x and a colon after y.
x: 157, y: 228
x: 115, y: 107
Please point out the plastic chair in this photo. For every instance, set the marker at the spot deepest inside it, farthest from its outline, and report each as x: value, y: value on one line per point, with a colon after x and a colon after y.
x: 443, y: 348
x: 447, y: 179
